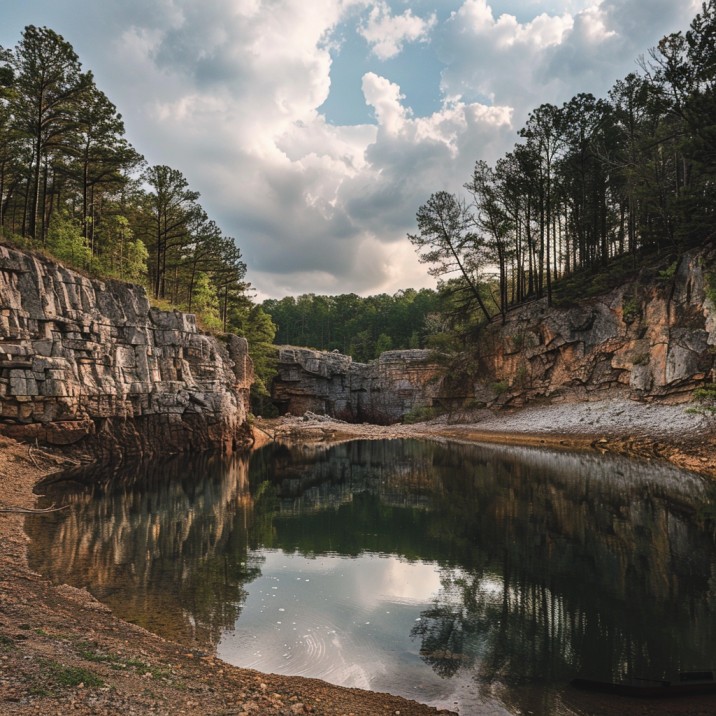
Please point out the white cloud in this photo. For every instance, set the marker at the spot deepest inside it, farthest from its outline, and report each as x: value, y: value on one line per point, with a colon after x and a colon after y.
x: 387, y: 33
x: 582, y: 46
x: 229, y: 91
x: 315, y: 207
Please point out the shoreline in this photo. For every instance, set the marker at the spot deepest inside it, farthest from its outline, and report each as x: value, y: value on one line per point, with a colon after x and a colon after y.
x: 624, y: 427
x: 53, y: 639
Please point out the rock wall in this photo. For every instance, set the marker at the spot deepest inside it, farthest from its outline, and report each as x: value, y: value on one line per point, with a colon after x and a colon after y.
x: 91, y: 362
x: 381, y: 391
x: 648, y: 339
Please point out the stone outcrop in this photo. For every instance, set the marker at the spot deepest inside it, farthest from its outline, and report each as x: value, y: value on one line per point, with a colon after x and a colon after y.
x: 382, y: 391
x: 91, y: 362
x: 647, y: 339
x: 653, y: 338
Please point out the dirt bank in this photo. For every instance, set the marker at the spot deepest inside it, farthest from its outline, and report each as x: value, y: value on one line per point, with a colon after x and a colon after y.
x: 62, y: 651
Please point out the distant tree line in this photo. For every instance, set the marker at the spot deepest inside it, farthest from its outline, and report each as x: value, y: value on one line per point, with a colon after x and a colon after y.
x: 361, y: 327
x: 589, y: 181
x: 72, y: 185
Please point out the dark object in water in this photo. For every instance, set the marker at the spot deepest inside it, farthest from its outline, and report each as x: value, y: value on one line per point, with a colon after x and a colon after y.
x: 689, y: 682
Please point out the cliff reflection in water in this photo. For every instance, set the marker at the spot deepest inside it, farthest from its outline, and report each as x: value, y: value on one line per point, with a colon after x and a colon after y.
x: 551, y: 564
x: 163, y: 544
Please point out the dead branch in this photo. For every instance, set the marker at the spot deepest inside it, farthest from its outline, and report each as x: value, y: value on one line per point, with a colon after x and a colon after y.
x: 32, y: 457
x: 31, y: 511
x: 273, y: 437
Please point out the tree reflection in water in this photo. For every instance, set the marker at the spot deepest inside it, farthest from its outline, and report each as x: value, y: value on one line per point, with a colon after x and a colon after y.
x: 604, y: 568
x: 164, y: 544
x: 551, y: 564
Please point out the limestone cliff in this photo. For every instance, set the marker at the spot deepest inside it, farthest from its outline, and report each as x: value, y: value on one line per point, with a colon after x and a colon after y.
x: 652, y: 338
x: 381, y: 391
x: 91, y: 361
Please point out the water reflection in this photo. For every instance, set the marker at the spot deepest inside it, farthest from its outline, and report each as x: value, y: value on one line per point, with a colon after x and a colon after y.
x: 545, y: 565
x: 163, y: 544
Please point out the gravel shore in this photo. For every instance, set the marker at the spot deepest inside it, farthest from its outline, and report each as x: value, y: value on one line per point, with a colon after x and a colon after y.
x: 655, y: 431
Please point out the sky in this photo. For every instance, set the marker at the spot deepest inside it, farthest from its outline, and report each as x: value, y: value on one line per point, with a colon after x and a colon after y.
x: 315, y: 129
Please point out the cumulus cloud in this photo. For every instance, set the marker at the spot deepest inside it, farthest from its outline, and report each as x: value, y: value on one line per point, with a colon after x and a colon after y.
x: 387, y: 33
x: 585, y: 47
x: 229, y: 91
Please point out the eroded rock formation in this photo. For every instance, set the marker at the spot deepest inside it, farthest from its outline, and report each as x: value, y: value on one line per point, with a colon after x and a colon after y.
x: 382, y: 391
x: 92, y: 361
x: 652, y: 339
x: 649, y: 339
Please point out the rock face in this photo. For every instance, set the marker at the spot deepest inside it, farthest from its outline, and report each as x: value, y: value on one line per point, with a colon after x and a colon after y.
x: 380, y: 392
x: 652, y: 339
x: 91, y: 361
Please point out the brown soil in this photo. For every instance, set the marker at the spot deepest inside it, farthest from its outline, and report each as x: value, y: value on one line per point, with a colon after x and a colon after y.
x: 61, y: 651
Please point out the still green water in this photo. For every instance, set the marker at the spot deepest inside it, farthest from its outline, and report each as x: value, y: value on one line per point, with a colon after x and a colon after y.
x: 477, y: 578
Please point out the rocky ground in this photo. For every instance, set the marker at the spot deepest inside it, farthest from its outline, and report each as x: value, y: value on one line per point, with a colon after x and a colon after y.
x: 61, y: 651
x: 648, y: 430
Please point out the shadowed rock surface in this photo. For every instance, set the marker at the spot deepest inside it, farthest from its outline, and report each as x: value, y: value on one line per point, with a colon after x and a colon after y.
x: 380, y: 392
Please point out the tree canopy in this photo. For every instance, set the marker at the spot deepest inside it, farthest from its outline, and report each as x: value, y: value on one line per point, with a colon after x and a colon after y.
x: 71, y: 184
x: 588, y: 182
x: 360, y: 327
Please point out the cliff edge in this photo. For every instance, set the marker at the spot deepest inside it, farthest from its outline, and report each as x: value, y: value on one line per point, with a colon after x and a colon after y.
x: 90, y: 362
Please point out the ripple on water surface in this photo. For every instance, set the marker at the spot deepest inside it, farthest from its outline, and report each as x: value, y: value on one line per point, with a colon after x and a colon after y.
x: 332, y: 617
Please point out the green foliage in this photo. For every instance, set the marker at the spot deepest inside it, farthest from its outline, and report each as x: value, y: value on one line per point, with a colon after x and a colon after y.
x: 383, y: 344
x: 91, y: 652
x: 631, y: 309
x: 356, y: 326
x: 126, y: 257
x: 206, y: 303
x: 421, y: 415
x: 256, y: 326
x: 71, y: 676
x: 706, y: 397
x: 500, y: 387
x: 134, y: 267
x: 711, y: 286
x: 669, y: 272
x: 518, y: 342
x: 65, y: 241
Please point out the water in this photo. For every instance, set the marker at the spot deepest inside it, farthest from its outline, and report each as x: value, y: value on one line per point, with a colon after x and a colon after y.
x: 478, y: 578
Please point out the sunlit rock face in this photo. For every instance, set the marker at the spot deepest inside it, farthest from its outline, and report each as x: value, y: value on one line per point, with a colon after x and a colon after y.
x: 382, y: 391
x: 649, y: 339
x: 91, y: 362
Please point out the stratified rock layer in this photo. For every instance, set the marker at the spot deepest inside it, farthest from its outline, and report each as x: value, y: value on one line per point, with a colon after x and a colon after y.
x: 382, y: 391
x: 92, y: 361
